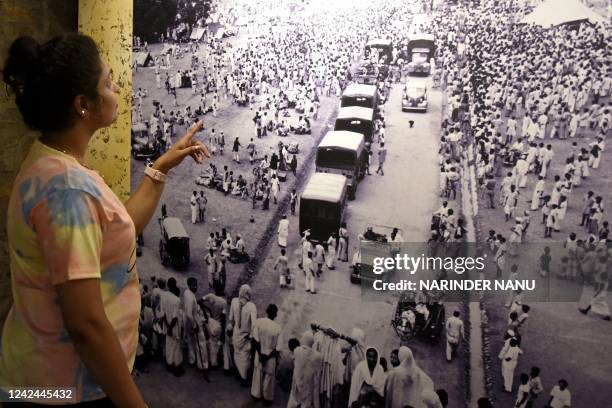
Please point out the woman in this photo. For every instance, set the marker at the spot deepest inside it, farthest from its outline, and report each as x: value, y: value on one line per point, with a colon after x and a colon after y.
x: 241, y: 322
x: 406, y: 384
x: 69, y: 235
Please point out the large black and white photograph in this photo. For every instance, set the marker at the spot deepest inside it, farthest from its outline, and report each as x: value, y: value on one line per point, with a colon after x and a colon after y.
x: 334, y: 128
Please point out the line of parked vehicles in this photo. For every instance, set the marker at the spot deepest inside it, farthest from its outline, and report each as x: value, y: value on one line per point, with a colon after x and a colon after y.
x: 342, y: 154
x: 341, y: 161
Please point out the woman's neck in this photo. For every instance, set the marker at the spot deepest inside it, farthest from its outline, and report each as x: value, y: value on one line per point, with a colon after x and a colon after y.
x: 73, y: 142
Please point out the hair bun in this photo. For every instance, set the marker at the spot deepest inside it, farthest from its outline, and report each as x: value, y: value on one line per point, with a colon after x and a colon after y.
x: 22, y: 62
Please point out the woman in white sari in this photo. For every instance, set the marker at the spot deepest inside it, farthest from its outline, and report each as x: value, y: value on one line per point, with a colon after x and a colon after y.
x: 242, y: 317
x: 407, y: 384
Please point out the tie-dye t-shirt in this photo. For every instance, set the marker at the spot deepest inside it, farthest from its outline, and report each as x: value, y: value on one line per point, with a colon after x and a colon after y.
x: 64, y: 223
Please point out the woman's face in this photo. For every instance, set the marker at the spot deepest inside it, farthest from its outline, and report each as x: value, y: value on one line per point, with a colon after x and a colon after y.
x: 108, y: 100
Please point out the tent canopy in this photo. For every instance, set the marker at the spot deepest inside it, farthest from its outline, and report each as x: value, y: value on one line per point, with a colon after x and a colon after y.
x: 142, y: 59
x: 197, y: 34
x: 166, y: 49
x: 556, y: 12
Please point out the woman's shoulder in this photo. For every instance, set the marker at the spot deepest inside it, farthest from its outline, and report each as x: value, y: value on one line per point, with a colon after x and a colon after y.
x: 51, y: 173
x: 44, y: 175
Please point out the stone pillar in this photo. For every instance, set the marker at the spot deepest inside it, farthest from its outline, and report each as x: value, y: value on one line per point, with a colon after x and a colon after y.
x: 109, y: 23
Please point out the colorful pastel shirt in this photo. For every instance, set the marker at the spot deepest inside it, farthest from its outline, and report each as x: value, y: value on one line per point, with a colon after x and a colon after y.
x: 64, y: 223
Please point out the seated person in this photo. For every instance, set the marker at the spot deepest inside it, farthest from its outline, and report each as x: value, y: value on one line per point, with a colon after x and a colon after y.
x: 370, y: 235
x: 259, y: 194
x: 235, y: 188
x: 407, y: 320
x: 282, y: 129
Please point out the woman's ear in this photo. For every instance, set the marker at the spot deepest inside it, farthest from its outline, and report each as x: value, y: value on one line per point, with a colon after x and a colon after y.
x: 80, y: 105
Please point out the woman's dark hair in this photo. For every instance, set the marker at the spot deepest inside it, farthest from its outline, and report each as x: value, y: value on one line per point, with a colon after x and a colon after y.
x: 47, y: 77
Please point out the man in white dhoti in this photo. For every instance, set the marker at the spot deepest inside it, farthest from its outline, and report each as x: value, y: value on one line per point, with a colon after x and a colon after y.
x: 509, y: 357
x: 194, y: 207
x: 266, y: 336
x: 170, y: 313
x: 330, y: 258
x: 309, y: 274
x: 520, y: 172
x: 241, y: 321
x: 283, y: 232
x: 282, y: 264
x: 306, y: 247
x: 454, y: 334
x: 368, y: 380
x: 306, y: 374
x: 193, y: 323
x: 538, y: 192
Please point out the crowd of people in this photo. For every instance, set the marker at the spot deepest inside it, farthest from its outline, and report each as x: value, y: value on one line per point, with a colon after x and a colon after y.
x: 321, y: 368
x: 510, y: 88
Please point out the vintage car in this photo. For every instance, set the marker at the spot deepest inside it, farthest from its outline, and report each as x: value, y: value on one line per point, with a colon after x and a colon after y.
x: 414, y: 96
x: 367, y: 73
x: 419, y: 314
x: 174, y: 243
x: 144, y: 146
x: 375, y: 242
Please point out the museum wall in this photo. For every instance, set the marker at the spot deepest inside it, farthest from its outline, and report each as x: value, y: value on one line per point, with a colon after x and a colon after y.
x: 109, y: 22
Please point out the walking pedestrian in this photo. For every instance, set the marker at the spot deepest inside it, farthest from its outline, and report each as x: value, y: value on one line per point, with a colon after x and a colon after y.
x: 283, y: 232
x: 266, y: 334
x: 309, y: 273
x: 194, y: 207
x: 293, y: 201
x: 509, y: 356
x: 202, y: 201
x: 282, y: 264
x: 330, y: 258
x: 236, y: 150
x: 382, y: 156
x: 454, y: 334
x: 343, y: 243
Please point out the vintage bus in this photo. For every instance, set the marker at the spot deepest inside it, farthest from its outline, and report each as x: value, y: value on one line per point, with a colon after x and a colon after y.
x: 356, y: 119
x: 421, y: 50
x: 362, y: 95
x: 343, y: 152
x: 322, y: 205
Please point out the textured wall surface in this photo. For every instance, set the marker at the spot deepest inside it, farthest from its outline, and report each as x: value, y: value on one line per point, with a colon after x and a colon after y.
x: 109, y: 22
x: 41, y: 19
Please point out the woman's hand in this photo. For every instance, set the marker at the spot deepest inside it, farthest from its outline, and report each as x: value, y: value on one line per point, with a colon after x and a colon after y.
x: 184, y: 147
